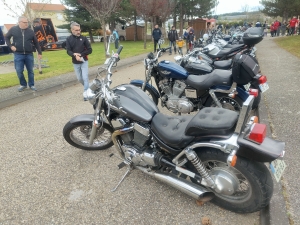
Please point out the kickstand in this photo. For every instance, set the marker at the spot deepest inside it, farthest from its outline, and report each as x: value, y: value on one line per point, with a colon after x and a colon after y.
x: 122, y: 179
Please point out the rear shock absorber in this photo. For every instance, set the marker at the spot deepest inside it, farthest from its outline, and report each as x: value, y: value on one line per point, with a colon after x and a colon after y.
x: 193, y: 157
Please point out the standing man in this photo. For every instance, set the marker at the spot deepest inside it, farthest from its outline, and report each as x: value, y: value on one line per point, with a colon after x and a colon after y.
x: 116, y: 36
x: 156, y: 34
x: 293, y: 23
x: 78, y: 47
x: 276, y: 27
x: 173, y: 37
x: 22, y: 47
x: 191, y: 37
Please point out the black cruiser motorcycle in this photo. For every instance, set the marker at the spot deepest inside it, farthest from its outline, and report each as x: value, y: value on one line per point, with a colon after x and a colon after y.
x: 216, y: 155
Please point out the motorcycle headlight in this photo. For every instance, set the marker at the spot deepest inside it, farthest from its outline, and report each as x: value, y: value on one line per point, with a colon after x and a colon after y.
x: 177, y: 58
x: 91, y: 96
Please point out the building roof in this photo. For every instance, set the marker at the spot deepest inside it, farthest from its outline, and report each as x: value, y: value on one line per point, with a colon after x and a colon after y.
x: 46, y: 7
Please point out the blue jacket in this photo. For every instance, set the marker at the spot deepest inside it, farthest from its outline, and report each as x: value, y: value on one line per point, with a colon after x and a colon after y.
x: 156, y: 34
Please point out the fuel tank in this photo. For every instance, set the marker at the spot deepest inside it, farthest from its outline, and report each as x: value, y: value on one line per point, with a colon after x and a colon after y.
x: 135, y: 103
x: 169, y: 69
x: 198, y: 67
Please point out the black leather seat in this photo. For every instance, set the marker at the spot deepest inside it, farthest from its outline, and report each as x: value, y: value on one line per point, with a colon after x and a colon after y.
x: 216, y: 77
x: 223, y: 64
x: 171, y: 129
x: 212, y: 121
x: 179, y: 131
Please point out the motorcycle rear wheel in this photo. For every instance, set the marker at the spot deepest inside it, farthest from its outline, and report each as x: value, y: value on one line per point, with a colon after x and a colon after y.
x: 77, y: 135
x: 255, y: 182
x: 234, y: 104
x: 149, y: 92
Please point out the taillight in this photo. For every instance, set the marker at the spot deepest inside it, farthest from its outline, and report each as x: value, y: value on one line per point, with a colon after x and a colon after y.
x: 258, y: 132
x: 253, y: 92
x: 262, y: 79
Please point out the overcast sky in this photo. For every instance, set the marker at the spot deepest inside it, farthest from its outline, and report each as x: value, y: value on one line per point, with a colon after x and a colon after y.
x: 225, y: 6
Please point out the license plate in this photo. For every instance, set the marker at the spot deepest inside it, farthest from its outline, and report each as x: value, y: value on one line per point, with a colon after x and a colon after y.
x: 277, y: 167
x: 263, y: 87
x: 247, y: 86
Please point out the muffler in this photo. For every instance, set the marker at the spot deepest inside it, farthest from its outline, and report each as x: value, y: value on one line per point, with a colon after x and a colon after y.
x: 195, y: 191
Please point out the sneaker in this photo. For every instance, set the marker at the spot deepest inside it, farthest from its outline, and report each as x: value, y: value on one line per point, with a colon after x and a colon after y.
x: 33, y: 88
x: 85, y: 96
x: 21, y: 88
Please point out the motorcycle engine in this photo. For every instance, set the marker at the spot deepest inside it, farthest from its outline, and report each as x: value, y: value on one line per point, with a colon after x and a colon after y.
x: 137, y: 147
x: 173, y: 98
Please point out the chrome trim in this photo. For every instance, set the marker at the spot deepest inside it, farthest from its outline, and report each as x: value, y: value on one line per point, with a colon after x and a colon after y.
x: 244, y: 112
x: 185, y: 186
x: 115, y: 141
x: 142, y: 130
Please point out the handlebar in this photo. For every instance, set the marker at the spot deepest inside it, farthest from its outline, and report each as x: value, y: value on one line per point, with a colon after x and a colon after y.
x: 120, y: 49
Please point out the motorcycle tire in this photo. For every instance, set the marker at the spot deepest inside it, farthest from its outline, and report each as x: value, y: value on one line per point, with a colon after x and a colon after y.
x: 149, y: 92
x: 255, y: 186
x: 234, y: 104
x: 77, y: 135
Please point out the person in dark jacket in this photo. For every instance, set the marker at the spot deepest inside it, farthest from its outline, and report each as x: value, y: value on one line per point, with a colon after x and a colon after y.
x: 191, y: 37
x: 23, y: 40
x: 156, y: 34
x: 78, y: 47
x: 173, y: 37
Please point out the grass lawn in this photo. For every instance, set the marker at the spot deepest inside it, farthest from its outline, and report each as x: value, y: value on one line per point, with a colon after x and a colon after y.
x: 290, y: 43
x: 61, y: 63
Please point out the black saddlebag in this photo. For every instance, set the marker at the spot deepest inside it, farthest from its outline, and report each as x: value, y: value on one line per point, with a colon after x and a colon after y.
x: 244, y: 68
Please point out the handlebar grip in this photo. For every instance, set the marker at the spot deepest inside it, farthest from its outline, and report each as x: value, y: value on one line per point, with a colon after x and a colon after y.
x: 120, y: 49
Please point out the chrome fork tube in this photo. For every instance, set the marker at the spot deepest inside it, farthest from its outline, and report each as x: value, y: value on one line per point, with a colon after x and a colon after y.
x: 95, y: 124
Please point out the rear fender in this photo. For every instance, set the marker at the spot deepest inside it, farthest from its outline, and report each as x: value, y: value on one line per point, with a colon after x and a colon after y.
x: 242, y: 93
x: 267, y: 151
x: 140, y: 84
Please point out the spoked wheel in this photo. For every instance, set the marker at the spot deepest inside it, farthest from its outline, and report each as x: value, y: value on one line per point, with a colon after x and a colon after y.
x: 149, y: 92
x: 234, y: 104
x: 251, y: 181
x: 78, y: 135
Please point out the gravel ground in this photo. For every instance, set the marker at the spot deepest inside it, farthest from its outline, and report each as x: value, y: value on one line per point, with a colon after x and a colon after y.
x: 44, y: 180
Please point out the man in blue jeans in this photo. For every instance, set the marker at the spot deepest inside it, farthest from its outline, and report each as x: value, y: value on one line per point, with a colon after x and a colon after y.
x: 22, y: 46
x: 78, y: 47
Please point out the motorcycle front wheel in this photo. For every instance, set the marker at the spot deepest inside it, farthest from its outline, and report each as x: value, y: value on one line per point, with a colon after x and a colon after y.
x: 78, y: 134
x: 149, y: 92
x: 255, y: 186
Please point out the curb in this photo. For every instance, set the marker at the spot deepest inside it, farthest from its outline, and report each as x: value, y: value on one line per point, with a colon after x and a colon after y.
x: 92, y: 71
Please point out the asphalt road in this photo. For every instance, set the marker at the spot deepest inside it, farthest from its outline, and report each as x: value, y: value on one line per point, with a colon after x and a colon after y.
x: 44, y: 180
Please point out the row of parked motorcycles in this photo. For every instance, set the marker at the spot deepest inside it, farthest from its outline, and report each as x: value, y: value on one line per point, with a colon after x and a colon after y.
x: 212, y: 148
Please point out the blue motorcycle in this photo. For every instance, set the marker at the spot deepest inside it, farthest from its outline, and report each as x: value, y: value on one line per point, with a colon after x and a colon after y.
x: 182, y: 92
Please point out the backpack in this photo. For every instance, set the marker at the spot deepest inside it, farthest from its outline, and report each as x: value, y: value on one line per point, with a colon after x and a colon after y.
x: 244, y: 68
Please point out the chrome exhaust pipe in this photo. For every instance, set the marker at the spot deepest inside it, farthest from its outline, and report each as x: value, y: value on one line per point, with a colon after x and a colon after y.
x: 195, y: 191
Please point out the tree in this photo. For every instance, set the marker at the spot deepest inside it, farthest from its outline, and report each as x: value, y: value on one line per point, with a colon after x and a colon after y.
x: 145, y: 9
x: 101, y: 10
x: 283, y: 8
x: 76, y: 13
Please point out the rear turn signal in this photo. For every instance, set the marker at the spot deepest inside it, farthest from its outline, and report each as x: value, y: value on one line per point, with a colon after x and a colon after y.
x: 262, y: 79
x: 253, y: 92
x: 258, y: 132
x: 233, y: 162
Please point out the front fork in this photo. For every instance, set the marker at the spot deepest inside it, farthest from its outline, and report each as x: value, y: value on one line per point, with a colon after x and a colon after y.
x: 96, y: 123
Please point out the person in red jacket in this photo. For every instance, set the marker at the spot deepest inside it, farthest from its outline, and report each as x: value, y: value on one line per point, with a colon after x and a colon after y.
x: 276, y: 26
x: 293, y: 23
x: 272, y: 29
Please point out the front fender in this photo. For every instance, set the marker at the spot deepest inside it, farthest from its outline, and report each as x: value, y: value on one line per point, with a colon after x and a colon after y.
x: 139, y: 83
x: 242, y: 93
x: 85, y: 118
